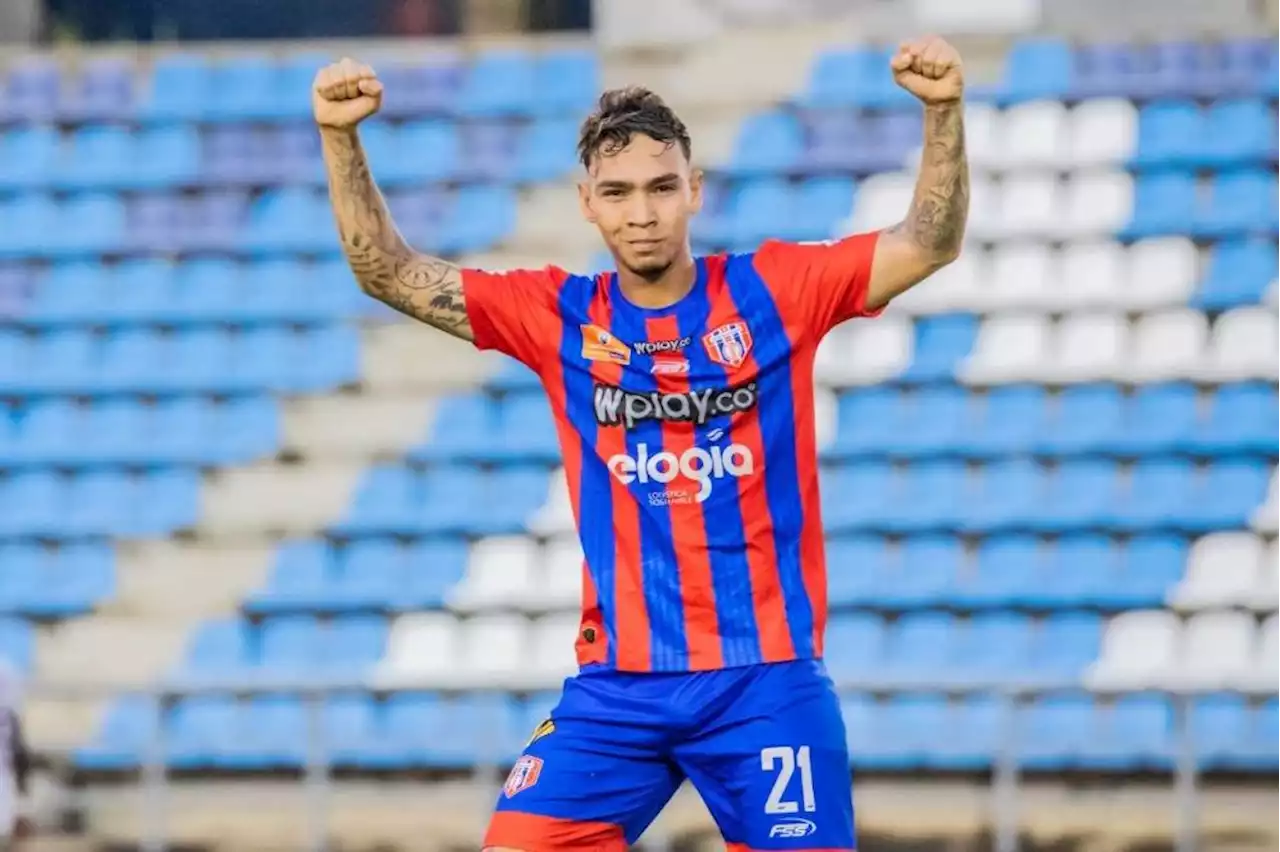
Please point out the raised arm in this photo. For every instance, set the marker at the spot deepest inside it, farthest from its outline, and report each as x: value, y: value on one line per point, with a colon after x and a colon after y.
x: 930, y: 236
x: 424, y: 287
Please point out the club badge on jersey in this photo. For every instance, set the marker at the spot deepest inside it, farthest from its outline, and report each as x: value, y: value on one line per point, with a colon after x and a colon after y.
x: 729, y: 344
x: 524, y: 774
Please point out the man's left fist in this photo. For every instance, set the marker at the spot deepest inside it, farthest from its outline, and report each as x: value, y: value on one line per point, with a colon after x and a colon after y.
x: 930, y: 69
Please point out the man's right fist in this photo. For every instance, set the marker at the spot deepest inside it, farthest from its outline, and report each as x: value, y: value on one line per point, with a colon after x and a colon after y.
x: 345, y: 94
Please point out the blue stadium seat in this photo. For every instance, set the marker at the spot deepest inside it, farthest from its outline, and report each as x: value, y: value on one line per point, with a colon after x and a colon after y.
x: 166, y: 156
x: 101, y: 503
x: 1264, y: 726
x: 869, y: 423
x: 482, y: 215
x: 853, y: 498
x: 324, y: 358
x: 421, y: 89
x: 61, y: 362
x: 855, y: 647
x: 465, y: 428
x: 1163, y: 203
x: 931, y: 499
x: 941, y: 342
x: 33, y: 88
x: 299, y: 579
x: 1087, y: 420
x: 767, y: 144
x: 484, y: 728
x: 388, y: 500
x: 1037, y: 68
x: 1171, y: 133
x: 820, y: 204
x: 1080, y: 570
x: 102, y: 90
x: 269, y: 732
x: 1103, y: 70
x: 181, y: 89
x: 488, y: 150
x: 433, y: 567
x: 31, y: 504
x: 837, y: 78
x: 1224, y: 497
x: 353, y: 644
x: 243, y: 90
x: 288, y: 220
x: 201, y: 729
x: 975, y: 733
x: 1079, y: 496
x: 243, y: 429
x: 1134, y: 734
x: 168, y: 501
x: 69, y: 293
x: 1242, y: 419
x: 1066, y: 644
x: 545, y: 151
x: 1156, y: 494
x: 1152, y: 565
x: 90, y: 224
x: 370, y: 573
x: 1158, y: 419
x: 928, y: 568
x: 528, y: 432
x: 922, y: 647
x: 96, y: 158
x: 1010, y: 420
x: 30, y: 157
x: 996, y: 647
x: 1009, y: 572
x: 935, y: 424
x: 1241, y: 132
x: 498, y: 83
x: 910, y: 727
x: 1239, y: 273
x: 350, y: 723
x: 566, y: 81
x: 1220, y: 732
x: 216, y: 221
x: 1054, y: 730
x: 47, y: 432
x: 291, y: 647
x: 1008, y: 497
x: 217, y: 650
x: 862, y: 717
x: 32, y: 222
x: 1241, y: 202
x: 125, y: 736
x: 128, y: 361
x: 117, y: 432
x: 857, y: 570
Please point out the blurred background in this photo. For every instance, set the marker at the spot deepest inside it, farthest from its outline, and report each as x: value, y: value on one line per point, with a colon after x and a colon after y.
x: 283, y: 571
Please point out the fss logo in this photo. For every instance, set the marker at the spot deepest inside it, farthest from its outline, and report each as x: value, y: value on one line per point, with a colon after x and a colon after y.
x: 796, y: 827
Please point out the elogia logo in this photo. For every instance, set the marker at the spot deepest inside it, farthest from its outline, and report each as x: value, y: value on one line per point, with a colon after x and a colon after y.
x: 696, y: 464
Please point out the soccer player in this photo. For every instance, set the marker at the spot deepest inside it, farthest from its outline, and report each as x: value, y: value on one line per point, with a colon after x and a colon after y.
x: 682, y: 389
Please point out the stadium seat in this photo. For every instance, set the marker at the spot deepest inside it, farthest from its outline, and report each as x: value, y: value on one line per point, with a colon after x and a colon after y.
x: 1085, y: 347
x: 422, y: 650
x: 1241, y: 346
x: 500, y: 573
x: 1139, y: 650
x: 1239, y: 272
x: 1055, y: 731
x: 1095, y: 205
x: 1217, y: 650
x: 1035, y: 135
x: 1167, y: 345
x: 1158, y: 418
x: 1009, y: 348
x: 1240, y: 203
x: 1241, y: 132
x: 1161, y: 273
x: 1163, y: 204
x: 497, y: 83
x: 1037, y: 68
x: 865, y: 353
x: 1239, y: 422
x: 1101, y: 132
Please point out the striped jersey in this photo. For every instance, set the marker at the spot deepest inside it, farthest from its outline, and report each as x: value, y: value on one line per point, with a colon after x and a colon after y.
x: 689, y: 448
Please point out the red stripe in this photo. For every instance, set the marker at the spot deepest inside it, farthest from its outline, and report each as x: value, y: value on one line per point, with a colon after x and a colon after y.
x: 688, y: 528
x: 631, y: 613
x: 537, y: 833
x: 762, y: 555
x: 813, y: 556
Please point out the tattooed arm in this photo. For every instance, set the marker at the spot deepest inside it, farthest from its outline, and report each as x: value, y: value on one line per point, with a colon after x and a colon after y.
x: 933, y: 230
x: 426, y: 288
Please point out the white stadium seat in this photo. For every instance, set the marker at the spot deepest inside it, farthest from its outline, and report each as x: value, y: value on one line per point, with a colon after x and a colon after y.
x: 882, y: 200
x: 1223, y: 569
x: 555, y: 517
x: 1090, y: 274
x: 953, y: 287
x: 494, y: 649
x: 1217, y: 650
x: 1167, y: 345
x: 1138, y: 651
x: 1086, y: 347
x: 1102, y: 131
x: 1265, y: 670
x: 1034, y: 135
x: 560, y: 580
x: 826, y: 414
x: 500, y: 572
x: 1029, y: 206
x: 860, y: 353
x: 1020, y: 275
x: 1266, y: 518
x: 1243, y: 346
x: 985, y: 206
x: 1162, y: 273
x: 1009, y: 348
x: 552, y: 656
x: 423, y: 649
x: 1095, y: 205
x: 983, y: 129
x: 1266, y: 590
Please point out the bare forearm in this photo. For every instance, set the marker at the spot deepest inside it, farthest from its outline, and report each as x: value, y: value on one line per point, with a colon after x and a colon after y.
x: 426, y: 288
x: 940, y: 207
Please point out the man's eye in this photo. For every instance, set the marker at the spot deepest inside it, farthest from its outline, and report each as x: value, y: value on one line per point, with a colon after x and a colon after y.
x: 666, y: 187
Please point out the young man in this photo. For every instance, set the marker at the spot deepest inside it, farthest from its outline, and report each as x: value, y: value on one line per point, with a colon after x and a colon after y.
x: 682, y: 387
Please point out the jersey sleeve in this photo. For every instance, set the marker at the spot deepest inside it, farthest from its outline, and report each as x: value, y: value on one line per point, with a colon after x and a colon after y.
x: 823, y: 283
x: 516, y: 312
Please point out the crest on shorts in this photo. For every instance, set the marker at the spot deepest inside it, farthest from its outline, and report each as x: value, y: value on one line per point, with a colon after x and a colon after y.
x: 729, y: 344
x: 523, y: 775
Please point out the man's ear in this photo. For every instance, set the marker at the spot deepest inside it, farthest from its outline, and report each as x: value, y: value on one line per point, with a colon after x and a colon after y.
x: 696, y: 183
x: 584, y: 201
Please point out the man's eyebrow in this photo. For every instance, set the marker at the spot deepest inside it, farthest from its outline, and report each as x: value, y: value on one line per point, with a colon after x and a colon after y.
x: 624, y: 184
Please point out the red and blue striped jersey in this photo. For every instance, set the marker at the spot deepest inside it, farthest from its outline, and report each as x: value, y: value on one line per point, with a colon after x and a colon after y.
x: 689, y: 446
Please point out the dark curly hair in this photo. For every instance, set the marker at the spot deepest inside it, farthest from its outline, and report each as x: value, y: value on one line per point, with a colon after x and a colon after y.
x: 622, y: 113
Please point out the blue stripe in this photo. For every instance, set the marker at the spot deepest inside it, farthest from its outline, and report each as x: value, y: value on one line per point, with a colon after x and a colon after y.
x: 668, y: 644
x: 772, y: 351
x: 595, y: 497
x: 722, y: 512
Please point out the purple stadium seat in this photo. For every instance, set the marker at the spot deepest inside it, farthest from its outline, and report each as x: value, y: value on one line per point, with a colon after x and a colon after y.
x: 215, y: 220
x: 295, y: 153
x: 104, y: 89
x: 420, y: 90
x: 488, y: 149
x: 33, y: 88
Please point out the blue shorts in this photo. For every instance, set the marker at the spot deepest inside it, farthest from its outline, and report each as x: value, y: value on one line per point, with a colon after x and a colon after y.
x: 764, y: 745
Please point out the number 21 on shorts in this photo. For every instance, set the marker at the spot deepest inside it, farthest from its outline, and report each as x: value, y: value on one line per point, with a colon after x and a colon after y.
x: 784, y: 760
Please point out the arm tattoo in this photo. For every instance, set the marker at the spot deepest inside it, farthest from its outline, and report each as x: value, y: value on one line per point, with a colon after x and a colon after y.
x: 423, y: 287
x: 936, y: 221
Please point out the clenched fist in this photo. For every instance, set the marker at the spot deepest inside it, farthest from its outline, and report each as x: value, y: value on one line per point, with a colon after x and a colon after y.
x: 930, y: 69
x: 345, y: 94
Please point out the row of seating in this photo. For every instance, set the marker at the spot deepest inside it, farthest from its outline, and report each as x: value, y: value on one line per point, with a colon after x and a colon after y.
x: 1055, y: 68
x: 199, y: 361
x: 413, y: 730
x: 113, y: 157
x: 45, y: 505
x: 206, y: 291
x: 178, y: 431
x: 42, y: 583
x: 1212, y: 649
x: 189, y: 87
x: 288, y: 221
x: 284, y: 647
x: 1020, y: 495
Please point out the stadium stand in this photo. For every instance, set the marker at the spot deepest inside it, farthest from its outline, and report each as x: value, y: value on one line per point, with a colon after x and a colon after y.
x: 1056, y: 462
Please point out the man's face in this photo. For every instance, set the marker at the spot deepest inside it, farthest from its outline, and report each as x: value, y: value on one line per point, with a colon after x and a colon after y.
x: 641, y: 199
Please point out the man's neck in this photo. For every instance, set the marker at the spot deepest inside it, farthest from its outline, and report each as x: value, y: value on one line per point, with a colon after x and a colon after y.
x: 661, y: 292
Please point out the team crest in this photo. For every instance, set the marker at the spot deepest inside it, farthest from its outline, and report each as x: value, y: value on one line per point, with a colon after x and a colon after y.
x: 523, y: 775
x: 599, y: 344
x: 729, y: 344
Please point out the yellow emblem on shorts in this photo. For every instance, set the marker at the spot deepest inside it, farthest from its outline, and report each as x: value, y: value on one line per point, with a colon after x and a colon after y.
x: 546, y: 727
